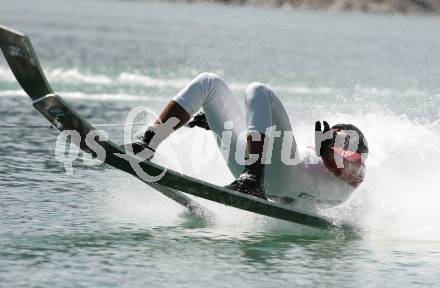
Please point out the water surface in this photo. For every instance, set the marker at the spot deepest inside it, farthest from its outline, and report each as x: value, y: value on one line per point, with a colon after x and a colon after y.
x: 100, y: 227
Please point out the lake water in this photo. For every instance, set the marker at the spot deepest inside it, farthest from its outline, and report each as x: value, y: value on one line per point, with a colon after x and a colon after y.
x: 102, y: 228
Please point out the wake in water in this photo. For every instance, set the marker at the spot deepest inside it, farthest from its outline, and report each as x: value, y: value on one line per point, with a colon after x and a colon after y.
x: 75, y: 77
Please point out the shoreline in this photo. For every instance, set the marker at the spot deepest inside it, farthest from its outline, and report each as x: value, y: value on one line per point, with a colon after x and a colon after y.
x: 404, y: 7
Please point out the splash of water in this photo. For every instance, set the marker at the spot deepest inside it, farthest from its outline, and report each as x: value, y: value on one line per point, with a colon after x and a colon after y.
x: 399, y: 198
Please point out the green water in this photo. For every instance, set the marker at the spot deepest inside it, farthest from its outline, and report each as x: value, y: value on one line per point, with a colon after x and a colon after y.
x: 102, y: 228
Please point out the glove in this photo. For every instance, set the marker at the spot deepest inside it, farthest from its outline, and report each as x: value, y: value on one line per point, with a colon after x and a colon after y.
x: 323, y: 138
x: 200, y: 121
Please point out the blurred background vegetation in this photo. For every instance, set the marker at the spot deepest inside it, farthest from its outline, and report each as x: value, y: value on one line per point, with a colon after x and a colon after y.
x: 373, y: 6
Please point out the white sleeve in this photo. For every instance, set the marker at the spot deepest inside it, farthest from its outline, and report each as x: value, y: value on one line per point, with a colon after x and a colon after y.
x: 312, y: 162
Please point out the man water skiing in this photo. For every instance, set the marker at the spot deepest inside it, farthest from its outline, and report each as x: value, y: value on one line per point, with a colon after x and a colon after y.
x: 326, y: 176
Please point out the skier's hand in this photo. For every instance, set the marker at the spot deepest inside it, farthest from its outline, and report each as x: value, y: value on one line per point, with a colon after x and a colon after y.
x: 323, y: 138
x: 199, y: 120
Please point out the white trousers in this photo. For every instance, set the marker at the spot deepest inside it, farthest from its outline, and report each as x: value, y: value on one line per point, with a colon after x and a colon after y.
x: 303, y: 179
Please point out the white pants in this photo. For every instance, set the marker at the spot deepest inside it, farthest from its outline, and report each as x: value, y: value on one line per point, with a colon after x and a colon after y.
x: 308, y: 181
